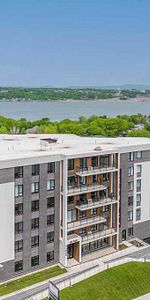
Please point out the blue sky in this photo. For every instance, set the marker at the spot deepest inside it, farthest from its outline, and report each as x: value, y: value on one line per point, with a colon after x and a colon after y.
x: 74, y: 42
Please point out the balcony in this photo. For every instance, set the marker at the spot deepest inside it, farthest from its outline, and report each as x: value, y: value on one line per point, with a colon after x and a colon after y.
x: 72, y: 190
x: 95, y: 203
x: 90, y: 237
x: 85, y: 222
x: 96, y: 170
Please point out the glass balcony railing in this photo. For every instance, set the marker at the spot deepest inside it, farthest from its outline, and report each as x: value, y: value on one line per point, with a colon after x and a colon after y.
x: 97, y: 202
x: 96, y: 170
x: 86, y: 188
x: 85, y: 222
x: 100, y: 234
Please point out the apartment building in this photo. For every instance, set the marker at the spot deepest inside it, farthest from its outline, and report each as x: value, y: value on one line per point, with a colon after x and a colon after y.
x: 63, y: 197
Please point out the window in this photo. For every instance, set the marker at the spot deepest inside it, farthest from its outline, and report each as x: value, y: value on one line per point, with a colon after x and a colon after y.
x: 130, y: 186
x: 130, y: 215
x: 71, y: 215
x: 139, y: 154
x: 82, y: 231
x: 19, y: 246
x: 50, y: 219
x: 50, y: 184
x: 50, y: 256
x: 83, y: 163
x: 106, y: 177
x: 71, y: 181
x: 35, y: 205
x: 130, y: 156
x: 85, y: 248
x: 50, y: 202
x: 50, y: 237
x: 70, y: 200
x: 130, y: 231
x: 18, y: 227
x: 18, y: 209
x: 139, y: 170
x: 34, y: 187
x: 35, y: 170
x: 106, y: 208
x: 18, y: 265
x: 18, y: 172
x: 138, y: 200
x: 138, y: 185
x: 34, y: 261
x: 130, y: 200
x: 123, y: 234
x: 104, y: 161
x: 94, y: 211
x: 51, y: 167
x: 94, y: 227
x: 94, y: 161
x: 35, y: 241
x: 35, y: 223
x: 18, y: 190
x: 138, y: 214
x: 70, y: 164
x: 130, y: 171
x: 82, y: 214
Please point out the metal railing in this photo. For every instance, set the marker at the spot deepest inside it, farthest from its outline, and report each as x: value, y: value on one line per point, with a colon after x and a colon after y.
x: 99, y: 234
x: 96, y: 169
x: 84, y: 188
x: 95, y: 202
x: 85, y: 222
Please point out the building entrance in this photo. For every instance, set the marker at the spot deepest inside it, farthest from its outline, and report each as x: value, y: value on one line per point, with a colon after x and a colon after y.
x: 70, y: 251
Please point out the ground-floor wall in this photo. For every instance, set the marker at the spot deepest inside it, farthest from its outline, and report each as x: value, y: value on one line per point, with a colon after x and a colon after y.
x: 140, y: 230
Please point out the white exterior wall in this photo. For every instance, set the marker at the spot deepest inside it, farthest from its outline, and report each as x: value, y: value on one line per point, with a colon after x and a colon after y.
x: 145, y: 192
x: 63, y: 241
x: 6, y: 221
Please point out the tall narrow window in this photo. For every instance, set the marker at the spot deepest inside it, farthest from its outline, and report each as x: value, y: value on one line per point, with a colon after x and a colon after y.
x: 51, y: 167
x: 35, y: 170
x: 50, y: 184
x: 34, y: 187
x: 18, y: 172
x: 18, y: 190
x: 70, y: 164
x: 130, y: 156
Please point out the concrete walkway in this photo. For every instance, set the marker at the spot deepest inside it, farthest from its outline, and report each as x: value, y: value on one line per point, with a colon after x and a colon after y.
x: 144, y: 297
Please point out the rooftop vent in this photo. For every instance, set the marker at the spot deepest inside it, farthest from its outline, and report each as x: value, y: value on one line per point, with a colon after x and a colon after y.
x: 98, y: 148
x: 49, y: 140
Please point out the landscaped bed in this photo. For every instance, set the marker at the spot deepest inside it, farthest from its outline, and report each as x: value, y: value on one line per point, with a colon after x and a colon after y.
x: 29, y: 280
x: 123, y: 282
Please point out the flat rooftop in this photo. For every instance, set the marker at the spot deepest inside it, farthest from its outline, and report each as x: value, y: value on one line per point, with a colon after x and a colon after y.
x: 36, y: 145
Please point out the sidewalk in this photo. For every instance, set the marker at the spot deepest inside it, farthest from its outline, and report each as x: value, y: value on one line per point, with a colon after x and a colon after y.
x: 144, y: 297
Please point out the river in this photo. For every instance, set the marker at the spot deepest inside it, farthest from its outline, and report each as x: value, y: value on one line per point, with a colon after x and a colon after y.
x: 59, y: 110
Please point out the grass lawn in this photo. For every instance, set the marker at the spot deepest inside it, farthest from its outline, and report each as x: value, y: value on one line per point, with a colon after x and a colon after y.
x: 30, y: 280
x: 124, y: 282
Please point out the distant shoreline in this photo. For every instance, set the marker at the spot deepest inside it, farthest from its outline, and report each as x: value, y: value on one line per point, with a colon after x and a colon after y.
x: 111, y: 100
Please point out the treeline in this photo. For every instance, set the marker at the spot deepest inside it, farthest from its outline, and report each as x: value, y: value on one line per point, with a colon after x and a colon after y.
x: 29, y: 94
x: 134, y: 125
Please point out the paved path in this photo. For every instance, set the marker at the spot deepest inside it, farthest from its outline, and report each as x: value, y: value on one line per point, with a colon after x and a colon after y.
x: 144, y: 297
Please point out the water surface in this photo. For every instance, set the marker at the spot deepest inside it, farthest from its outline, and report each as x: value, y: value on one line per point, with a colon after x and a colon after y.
x: 59, y: 110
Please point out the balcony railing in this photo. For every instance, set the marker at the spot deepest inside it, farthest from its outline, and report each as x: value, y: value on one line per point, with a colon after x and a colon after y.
x: 96, y: 170
x: 96, y: 235
x: 85, y: 222
x: 85, y: 188
x: 97, y: 202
